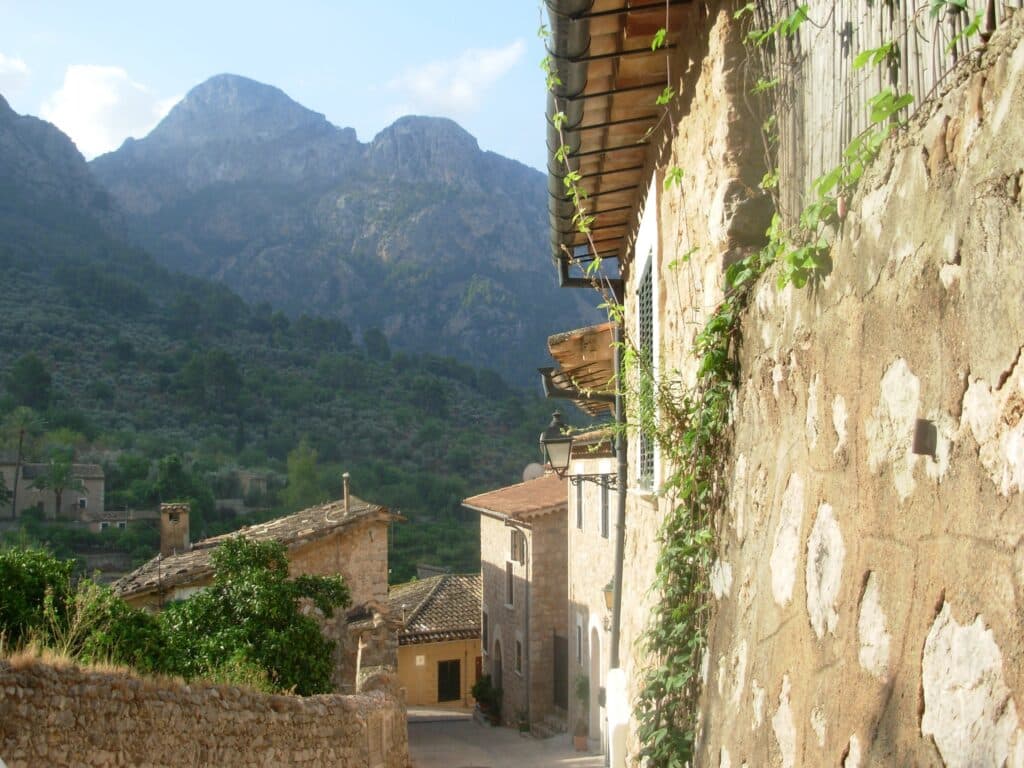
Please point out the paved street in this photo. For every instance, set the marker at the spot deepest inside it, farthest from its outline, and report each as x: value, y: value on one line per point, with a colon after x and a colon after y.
x: 444, y: 739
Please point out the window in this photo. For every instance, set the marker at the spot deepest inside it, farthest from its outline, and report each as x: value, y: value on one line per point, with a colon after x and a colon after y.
x: 519, y: 656
x: 508, y: 583
x: 483, y: 632
x: 518, y: 547
x: 604, y: 507
x: 104, y: 526
x: 645, y: 332
x: 82, y: 503
x: 579, y: 506
x: 579, y: 642
x: 122, y: 524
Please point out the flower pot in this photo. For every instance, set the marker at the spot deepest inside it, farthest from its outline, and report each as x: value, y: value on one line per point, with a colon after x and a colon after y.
x: 580, y: 742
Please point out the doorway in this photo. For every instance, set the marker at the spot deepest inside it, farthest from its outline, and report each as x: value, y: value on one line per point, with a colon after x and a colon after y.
x: 449, y: 680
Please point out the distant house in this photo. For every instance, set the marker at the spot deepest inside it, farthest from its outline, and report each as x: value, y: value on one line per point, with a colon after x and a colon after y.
x: 75, y: 504
x: 438, y: 639
x: 524, y: 619
x: 347, y: 537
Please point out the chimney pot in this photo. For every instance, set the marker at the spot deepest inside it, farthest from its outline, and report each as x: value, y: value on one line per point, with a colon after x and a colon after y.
x: 347, y: 497
x: 174, y: 533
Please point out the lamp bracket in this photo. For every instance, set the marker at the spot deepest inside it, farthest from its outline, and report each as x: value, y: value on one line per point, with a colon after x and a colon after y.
x: 610, y: 480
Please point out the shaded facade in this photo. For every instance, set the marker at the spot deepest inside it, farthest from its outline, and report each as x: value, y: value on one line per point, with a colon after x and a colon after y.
x: 524, y: 619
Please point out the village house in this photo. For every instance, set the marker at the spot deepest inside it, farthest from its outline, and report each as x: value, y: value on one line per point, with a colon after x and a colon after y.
x: 347, y: 537
x: 438, y: 638
x: 75, y: 504
x: 524, y: 621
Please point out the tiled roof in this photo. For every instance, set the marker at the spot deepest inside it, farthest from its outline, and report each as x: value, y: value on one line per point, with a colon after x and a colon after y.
x: 81, y: 471
x: 547, y: 493
x: 445, y: 607
x: 195, y: 565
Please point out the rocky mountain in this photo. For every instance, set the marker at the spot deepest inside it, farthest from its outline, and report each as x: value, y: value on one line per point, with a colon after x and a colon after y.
x: 417, y: 232
x: 40, y: 167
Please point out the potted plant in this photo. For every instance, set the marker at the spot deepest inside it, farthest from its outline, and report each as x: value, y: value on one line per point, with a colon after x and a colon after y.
x: 522, y: 721
x: 581, y: 731
x: 488, y: 699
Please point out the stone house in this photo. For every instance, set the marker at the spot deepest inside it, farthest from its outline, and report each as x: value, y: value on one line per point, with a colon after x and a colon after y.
x: 875, y: 428
x: 524, y: 620
x: 438, y: 638
x: 347, y: 537
x: 75, y: 504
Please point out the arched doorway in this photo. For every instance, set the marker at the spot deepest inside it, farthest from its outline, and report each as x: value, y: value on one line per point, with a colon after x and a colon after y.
x: 595, y: 686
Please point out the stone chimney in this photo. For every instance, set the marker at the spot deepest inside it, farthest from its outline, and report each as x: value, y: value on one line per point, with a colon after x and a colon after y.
x: 347, y: 495
x: 173, y: 528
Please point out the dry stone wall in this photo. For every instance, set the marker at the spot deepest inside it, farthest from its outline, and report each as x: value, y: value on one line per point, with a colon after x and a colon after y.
x: 870, y: 598
x: 69, y: 717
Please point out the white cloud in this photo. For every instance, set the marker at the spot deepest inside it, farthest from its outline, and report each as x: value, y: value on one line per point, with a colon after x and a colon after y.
x: 456, y: 87
x: 99, y: 107
x: 14, y: 74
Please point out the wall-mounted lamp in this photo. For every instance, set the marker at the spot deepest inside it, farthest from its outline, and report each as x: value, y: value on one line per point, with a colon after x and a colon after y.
x: 556, y: 445
x: 609, y: 594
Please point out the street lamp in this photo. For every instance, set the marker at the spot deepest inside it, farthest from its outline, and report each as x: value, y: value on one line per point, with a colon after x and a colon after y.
x: 556, y: 445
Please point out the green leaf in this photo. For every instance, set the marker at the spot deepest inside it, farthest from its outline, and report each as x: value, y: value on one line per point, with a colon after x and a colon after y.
x: 659, y: 39
x: 673, y: 177
x: 749, y: 8
x: 666, y: 96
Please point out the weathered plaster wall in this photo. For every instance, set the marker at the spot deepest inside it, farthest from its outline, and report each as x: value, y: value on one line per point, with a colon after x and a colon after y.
x: 417, y: 670
x: 68, y: 717
x: 873, y: 609
x: 593, y: 559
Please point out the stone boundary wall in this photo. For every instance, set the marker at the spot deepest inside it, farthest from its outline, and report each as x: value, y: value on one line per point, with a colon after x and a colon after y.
x: 870, y: 591
x: 71, y: 717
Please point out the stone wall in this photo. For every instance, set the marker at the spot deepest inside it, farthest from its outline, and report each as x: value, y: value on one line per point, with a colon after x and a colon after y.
x: 690, y: 231
x: 359, y: 552
x: 593, y: 559
x: 68, y: 717
x: 506, y: 622
x: 871, y: 597
x: 548, y: 597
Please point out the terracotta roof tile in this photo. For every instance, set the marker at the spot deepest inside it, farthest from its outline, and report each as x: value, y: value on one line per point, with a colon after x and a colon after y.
x: 445, y: 607
x: 292, y: 530
x: 547, y: 493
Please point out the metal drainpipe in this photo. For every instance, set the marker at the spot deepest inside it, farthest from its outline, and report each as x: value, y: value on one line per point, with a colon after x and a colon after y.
x: 620, y: 532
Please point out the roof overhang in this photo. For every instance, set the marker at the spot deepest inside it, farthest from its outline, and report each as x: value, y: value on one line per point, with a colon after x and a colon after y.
x: 586, y: 368
x: 610, y: 81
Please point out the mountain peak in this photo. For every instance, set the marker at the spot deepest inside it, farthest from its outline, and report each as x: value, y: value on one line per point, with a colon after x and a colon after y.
x: 425, y: 147
x: 233, y: 106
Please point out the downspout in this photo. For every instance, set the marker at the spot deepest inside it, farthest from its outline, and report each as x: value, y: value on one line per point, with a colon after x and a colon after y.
x: 620, y: 497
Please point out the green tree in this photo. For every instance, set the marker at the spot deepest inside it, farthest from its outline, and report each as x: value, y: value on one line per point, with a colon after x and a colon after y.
x: 5, y: 492
x: 59, y: 476
x: 21, y: 425
x: 26, y: 575
x: 376, y: 344
x: 29, y: 382
x: 303, y: 489
x: 250, y: 615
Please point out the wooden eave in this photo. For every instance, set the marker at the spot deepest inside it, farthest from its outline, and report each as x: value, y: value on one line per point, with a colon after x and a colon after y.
x: 610, y: 82
x: 586, y: 362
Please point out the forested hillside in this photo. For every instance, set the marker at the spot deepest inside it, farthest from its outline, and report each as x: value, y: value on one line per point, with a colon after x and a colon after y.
x: 173, y: 382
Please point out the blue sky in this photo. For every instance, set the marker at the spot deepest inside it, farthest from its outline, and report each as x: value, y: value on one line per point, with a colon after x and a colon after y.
x: 103, y: 70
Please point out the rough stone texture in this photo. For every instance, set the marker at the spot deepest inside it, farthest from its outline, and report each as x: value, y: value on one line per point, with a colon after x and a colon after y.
x: 968, y: 710
x: 68, y: 717
x: 902, y: 645
x: 537, y: 611
x: 825, y: 554
x: 715, y: 214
